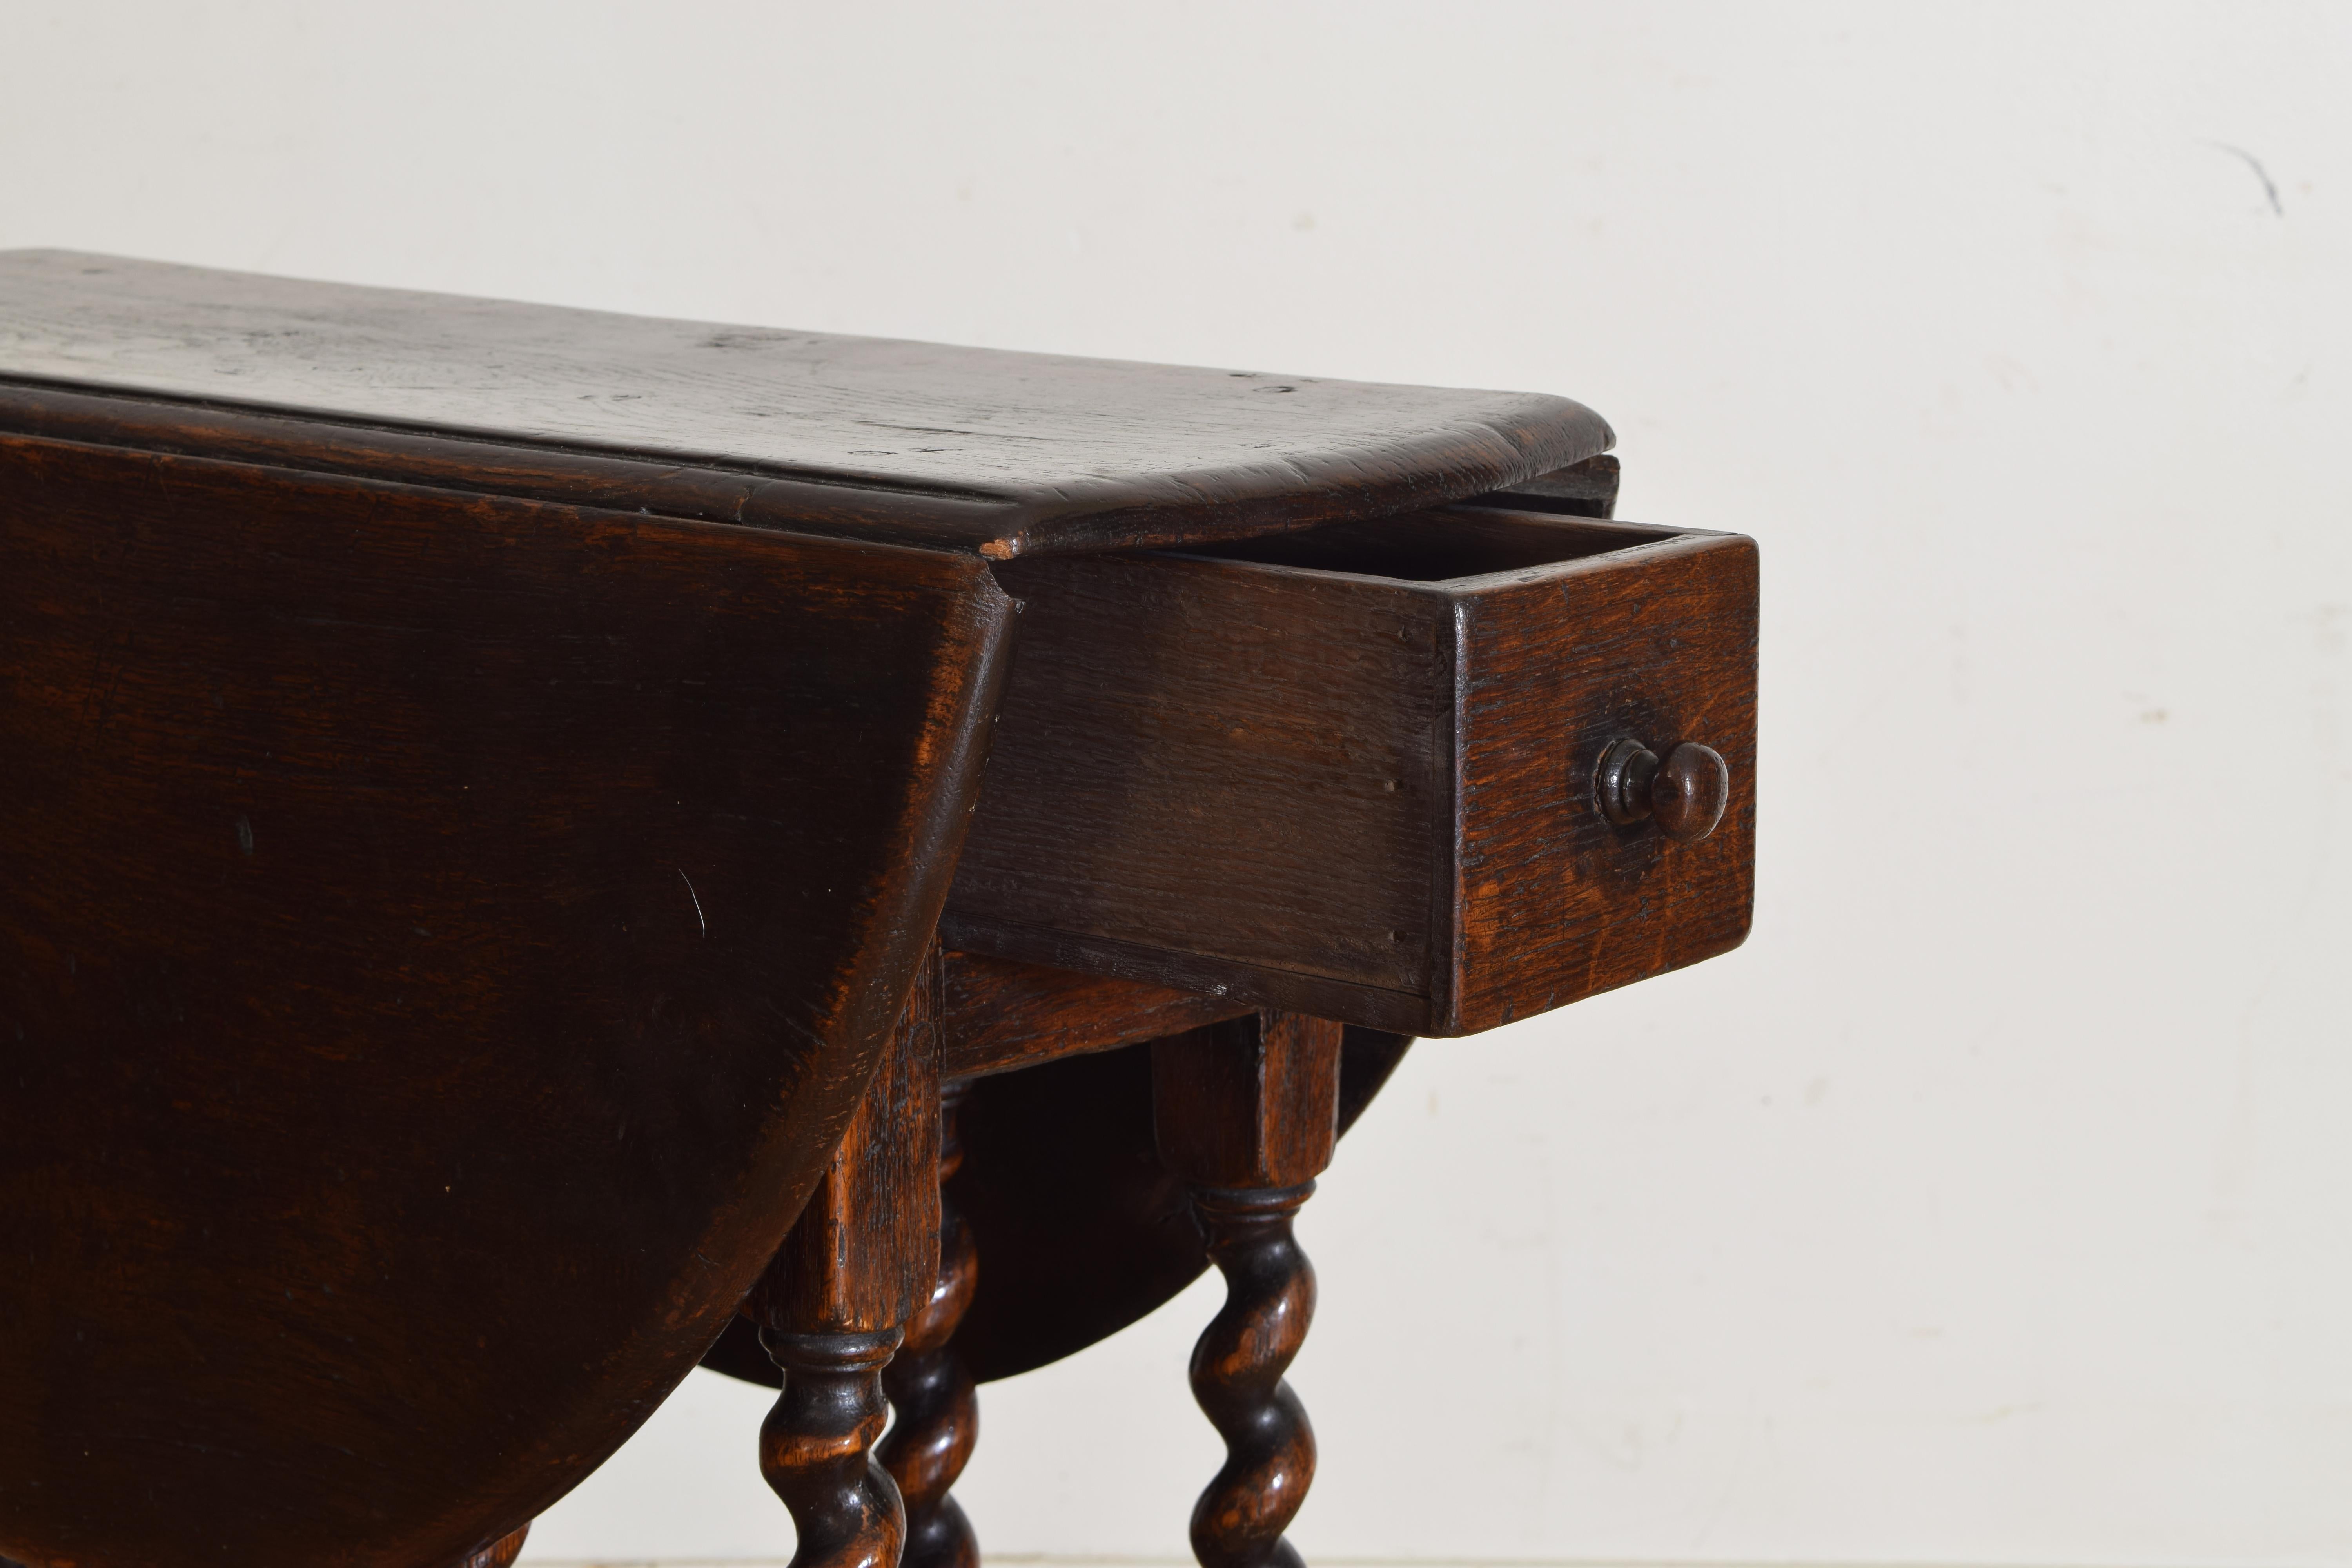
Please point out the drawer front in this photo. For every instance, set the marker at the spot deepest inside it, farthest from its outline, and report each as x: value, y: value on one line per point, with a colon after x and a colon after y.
x: 1350, y: 770
x: 1656, y: 644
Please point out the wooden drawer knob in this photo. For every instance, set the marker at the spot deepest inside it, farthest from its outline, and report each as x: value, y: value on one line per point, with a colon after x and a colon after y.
x: 1683, y: 794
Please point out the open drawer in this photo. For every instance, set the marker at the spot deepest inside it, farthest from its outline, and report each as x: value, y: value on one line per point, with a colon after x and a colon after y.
x: 1389, y: 773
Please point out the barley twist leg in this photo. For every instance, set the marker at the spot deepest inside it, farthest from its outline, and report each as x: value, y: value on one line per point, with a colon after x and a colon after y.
x: 816, y: 1449
x: 1236, y: 1372
x: 932, y: 1391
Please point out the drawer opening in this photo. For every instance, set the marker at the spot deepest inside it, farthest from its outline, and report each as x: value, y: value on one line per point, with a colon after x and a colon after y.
x: 1437, y: 546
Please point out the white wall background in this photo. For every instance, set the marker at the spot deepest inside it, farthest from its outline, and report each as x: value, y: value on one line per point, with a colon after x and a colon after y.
x: 1994, y: 1205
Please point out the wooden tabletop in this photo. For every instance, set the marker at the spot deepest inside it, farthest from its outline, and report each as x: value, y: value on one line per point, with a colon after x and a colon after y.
x: 931, y: 444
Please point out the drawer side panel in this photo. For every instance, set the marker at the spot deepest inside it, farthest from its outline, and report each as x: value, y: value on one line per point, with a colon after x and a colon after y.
x: 1222, y: 761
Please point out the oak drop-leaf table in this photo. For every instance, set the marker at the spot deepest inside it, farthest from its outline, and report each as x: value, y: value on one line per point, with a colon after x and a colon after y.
x: 539, y: 848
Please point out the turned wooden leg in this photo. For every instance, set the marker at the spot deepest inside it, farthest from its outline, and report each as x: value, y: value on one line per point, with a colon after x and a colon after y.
x: 835, y: 1303
x: 816, y: 1448
x: 1246, y: 1113
x: 499, y: 1554
x: 932, y: 1391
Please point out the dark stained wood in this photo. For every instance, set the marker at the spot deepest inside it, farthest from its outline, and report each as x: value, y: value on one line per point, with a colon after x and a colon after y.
x: 866, y: 1249
x: 1350, y: 770
x: 918, y: 442
x: 1690, y: 793
x: 381, y: 1142
x: 1558, y: 903
x: 1082, y: 1229
x: 1001, y: 1014
x: 500, y: 1554
x: 1223, y: 762
x: 1684, y: 794
x: 1250, y: 1103
x: 1246, y: 1113
x: 833, y: 1305
x: 1236, y: 1375
x: 443, y: 939
x: 817, y: 1448
x: 1587, y: 489
x: 932, y: 1391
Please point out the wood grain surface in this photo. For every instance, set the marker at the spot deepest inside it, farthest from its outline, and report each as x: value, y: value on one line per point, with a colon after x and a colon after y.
x: 1244, y: 763
x: 866, y: 1249
x: 1000, y: 1015
x: 816, y: 1449
x: 1348, y: 771
x: 834, y: 1305
x: 1246, y: 1113
x: 1077, y: 1227
x: 1250, y: 1102
x: 935, y: 1408
x: 924, y: 443
x: 1553, y: 901
x: 1236, y: 1370
x: 481, y: 781
x: 443, y: 939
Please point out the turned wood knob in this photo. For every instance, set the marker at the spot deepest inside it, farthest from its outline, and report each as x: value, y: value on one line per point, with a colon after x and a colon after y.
x: 1684, y: 794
